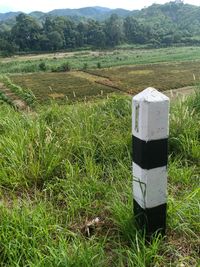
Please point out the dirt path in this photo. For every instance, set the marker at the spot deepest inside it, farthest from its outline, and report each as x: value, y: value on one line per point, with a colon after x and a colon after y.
x: 180, y: 92
x: 18, y: 103
x: 56, y: 55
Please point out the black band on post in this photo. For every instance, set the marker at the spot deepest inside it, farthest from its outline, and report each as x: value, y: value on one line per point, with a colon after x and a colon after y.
x: 150, y: 154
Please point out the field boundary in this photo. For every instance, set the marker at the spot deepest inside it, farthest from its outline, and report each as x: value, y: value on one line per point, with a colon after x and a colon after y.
x: 96, y: 74
x: 100, y: 79
x: 111, y: 85
x: 14, y: 99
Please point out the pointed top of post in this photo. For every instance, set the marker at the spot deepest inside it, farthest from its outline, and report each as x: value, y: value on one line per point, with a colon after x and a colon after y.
x: 150, y: 94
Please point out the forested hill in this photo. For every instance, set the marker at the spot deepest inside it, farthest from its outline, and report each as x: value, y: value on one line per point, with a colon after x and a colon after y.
x: 155, y: 26
x: 96, y: 13
x: 172, y: 14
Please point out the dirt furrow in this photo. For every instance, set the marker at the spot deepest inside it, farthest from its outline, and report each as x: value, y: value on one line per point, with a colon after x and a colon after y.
x: 18, y: 103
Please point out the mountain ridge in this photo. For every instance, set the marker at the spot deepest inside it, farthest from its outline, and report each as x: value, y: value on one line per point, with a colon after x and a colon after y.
x: 94, y: 12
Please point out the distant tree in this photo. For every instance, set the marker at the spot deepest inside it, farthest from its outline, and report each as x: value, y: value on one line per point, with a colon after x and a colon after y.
x: 7, y: 46
x: 48, y: 25
x: 26, y: 32
x: 95, y: 34
x: 132, y: 30
x: 54, y: 28
x: 168, y: 39
x: 55, y: 41
x: 167, y: 24
x: 45, y: 42
x: 69, y: 33
x: 81, y: 37
x: 114, y: 30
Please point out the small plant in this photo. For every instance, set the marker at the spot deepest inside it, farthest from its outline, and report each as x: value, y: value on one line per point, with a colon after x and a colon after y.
x: 42, y: 66
x: 30, y: 68
x: 5, y: 99
x: 85, y: 66
x: 53, y: 69
x: 194, y: 102
x: 98, y: 65
x: 63, y: 67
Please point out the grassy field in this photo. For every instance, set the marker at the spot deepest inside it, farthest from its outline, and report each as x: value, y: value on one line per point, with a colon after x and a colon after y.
x: 65, y: 166
x: 60, y: 76
x: 65, y: 171
x: 79, y: 60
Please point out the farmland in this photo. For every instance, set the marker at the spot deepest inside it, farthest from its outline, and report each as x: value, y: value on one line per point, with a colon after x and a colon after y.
x: 62, y: 87
x: 79, y: 85
x: 93, y: 74
x: 167, y: 76
x: 109, y: 58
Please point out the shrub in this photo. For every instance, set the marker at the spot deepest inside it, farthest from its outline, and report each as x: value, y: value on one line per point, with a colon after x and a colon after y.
x: 85, y: 66
x: 98, y: 65
x: 42, y: 66
x: 63, y: 67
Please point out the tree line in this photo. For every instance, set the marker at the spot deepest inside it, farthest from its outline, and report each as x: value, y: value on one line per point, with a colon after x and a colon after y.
x: 60, y: 33
x: 57, y: 33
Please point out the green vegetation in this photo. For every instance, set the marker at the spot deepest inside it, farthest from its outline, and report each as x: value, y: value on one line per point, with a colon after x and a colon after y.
x: 64, y: 67
x: 4, y: 98
x: 86, y: 75
x: 93, y: 60
x: 65, y: 171
x: 67, y: 165
x: 67, y: 87
x: 24, y: 94
x: 173, y: 23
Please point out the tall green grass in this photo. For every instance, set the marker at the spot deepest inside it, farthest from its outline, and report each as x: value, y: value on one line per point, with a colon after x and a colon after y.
x: 185, y: 129
x: 67, y: 165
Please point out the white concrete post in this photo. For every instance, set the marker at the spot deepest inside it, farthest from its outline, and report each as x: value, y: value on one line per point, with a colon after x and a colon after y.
x: 150, y: 140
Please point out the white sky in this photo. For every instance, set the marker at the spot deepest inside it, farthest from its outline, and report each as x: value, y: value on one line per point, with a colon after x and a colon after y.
x: 47, y: 5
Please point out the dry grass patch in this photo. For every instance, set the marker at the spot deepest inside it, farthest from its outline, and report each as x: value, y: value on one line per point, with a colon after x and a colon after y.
x: 60, y: 86
x: 133, y: 79
x: 140, y: 72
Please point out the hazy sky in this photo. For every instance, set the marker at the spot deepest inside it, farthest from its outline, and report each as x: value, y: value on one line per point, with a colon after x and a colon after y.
x: 47, y: 5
